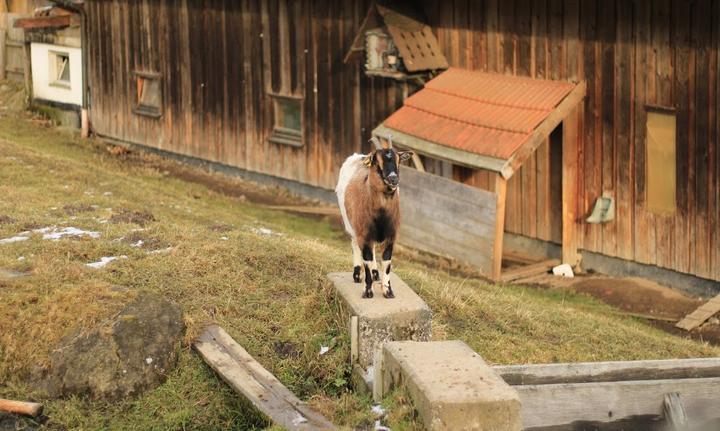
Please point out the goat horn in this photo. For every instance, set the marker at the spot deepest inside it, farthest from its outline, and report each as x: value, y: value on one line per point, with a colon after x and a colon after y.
x: 374, y: 140
x: 389, y: 139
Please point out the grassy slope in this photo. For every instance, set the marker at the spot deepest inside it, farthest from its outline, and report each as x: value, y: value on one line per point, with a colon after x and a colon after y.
x: 263, y: 289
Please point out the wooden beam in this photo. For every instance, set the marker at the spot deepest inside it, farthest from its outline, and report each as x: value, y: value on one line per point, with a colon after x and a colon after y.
x: 625, y: 402
x: 21, y: 407
x: 528, y: 270
x: 500, y: 192
x: 569, y: 188
x: 247, y: 377
x: 441, y: 152
x: 589, y: 372
x: 47, y: 22
x: 541, y: 132
x: 700, y: 315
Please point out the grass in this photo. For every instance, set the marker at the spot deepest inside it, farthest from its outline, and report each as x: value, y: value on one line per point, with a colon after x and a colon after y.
x: 267, y: 291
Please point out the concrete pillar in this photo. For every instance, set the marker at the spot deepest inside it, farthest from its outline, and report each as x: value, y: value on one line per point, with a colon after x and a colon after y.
x: 374, y: 321
x: 451, y: 386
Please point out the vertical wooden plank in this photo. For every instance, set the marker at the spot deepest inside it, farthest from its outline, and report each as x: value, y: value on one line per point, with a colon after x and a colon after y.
x: 622, y: 124
x: 701, y: 41
x: 714, y: 155
x: 643, y: 246
x: 569, y: 188
x: 500, y: 191
x: 607, y: 33
x: 491, y: 17
x: 683, y: 91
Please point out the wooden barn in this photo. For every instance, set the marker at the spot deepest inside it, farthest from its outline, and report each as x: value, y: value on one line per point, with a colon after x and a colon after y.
x: 288, y: 89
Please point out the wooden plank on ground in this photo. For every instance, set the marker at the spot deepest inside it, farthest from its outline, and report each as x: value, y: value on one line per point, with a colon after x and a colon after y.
x: 528, y: 270
x: 587, y: 372
x: 699, y: 316
x: 20, y: 407
x: 247, y: 377
x: 625, y: 402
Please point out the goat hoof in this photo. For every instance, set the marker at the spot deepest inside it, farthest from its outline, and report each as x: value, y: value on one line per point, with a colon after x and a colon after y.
x: 356, y: 274
x: 389, y: 294
x: 368, y: 294
x: 376, y: 275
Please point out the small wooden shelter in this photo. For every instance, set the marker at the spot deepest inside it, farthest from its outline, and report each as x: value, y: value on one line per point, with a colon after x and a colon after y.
x: 493, y: 122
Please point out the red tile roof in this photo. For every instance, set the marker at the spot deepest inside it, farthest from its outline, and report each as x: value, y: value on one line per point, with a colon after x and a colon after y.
x: 482, y: 113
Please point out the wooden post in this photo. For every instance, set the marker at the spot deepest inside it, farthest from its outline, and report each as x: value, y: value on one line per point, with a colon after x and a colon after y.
x: 27, y: 70
x: 569, y: 188
x: 500, y: 191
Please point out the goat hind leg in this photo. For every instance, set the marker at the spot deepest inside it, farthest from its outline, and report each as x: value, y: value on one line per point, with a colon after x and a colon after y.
x: 357, y: 260
x: 367, y: 256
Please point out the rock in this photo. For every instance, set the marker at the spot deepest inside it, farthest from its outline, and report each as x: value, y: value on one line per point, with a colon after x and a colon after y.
x: 10, y: 422
x: 131, y: 356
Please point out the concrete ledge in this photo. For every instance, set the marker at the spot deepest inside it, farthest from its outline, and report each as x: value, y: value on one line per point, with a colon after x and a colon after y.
x: 451, y: 386
x: 379, y: 320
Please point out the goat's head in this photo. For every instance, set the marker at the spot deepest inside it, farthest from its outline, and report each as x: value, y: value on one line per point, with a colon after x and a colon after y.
x: 387, y: 161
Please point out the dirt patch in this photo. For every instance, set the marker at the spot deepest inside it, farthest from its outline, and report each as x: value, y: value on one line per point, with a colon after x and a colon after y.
x: 637, y: 295
x: 286, y: 349
x: 221, y: 228
x: 5, y: 219
x: 74, y: 209
x: 140, y: 218
x: 137, y: 239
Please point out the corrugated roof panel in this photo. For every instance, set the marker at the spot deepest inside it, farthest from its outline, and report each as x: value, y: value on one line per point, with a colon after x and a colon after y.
x: 462, y: 135
x: 478, y: 112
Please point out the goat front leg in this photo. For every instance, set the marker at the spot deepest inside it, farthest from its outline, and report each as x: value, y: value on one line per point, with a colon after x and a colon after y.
x: 357, y: 260
x: 367, y: 255
x: 374, y: 267
x: 386, y: 268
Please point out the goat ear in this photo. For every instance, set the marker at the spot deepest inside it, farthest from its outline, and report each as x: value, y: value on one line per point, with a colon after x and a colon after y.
x: 369, y: 159
x: 405, y: 155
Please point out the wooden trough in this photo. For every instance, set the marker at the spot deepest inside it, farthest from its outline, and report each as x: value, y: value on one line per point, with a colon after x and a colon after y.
x: 617, y: 395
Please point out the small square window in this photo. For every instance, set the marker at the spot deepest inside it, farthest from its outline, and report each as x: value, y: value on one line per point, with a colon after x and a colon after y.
x: 148, y: 93
x: 60, y: 69
x: 660, y: 165
x: 287, y: 126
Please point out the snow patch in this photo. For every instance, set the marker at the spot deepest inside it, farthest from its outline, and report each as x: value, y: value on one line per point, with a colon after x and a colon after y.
x: 104, y: 261
x: 54, y: 234
x: 12, y: 239
x: 324, y: 350
x: 162, y: 250
x: 378, y: 411
x: 380, y: 427
x: 299, y: 419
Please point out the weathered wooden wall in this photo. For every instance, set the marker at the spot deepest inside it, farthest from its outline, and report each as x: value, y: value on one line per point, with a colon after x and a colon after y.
x: 217, y: 64
x: 632, y: 54
x: 218, y: 59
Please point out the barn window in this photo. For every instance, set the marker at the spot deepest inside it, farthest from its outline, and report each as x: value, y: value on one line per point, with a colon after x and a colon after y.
x: 148, y: 90
x: 59, y: 69
x: 287, y: 124
x: 661, y: 180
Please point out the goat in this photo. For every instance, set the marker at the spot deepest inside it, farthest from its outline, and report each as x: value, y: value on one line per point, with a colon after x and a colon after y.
x: 369, y: 200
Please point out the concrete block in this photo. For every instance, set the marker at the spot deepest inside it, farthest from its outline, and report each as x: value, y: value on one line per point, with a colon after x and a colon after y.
x: 405, y: 317
x: 451, y: 386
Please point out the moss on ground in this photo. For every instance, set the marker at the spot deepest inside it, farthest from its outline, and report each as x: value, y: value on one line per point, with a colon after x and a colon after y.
x: 256, y: 272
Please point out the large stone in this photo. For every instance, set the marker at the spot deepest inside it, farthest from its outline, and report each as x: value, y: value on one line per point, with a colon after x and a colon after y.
x: 451, y: 386
x: 132, y: 354
x: 379, y: 320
